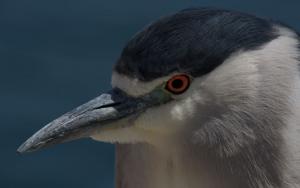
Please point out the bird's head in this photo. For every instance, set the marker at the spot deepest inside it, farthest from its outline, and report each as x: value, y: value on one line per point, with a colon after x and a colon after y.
x: 210, y: 77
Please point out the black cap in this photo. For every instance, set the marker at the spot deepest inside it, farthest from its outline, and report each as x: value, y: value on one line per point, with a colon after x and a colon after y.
x: 193, y: 41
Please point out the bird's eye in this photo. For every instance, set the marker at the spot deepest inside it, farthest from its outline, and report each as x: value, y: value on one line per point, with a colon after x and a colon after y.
x: 178, y: 84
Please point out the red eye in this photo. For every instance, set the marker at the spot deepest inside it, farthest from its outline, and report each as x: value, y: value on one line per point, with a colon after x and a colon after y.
x: 178, y: 84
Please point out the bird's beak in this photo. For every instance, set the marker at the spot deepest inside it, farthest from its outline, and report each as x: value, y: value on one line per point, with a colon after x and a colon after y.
x: 95, y: 115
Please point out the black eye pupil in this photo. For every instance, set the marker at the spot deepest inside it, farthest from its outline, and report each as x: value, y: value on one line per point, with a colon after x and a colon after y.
x: 177, y: 84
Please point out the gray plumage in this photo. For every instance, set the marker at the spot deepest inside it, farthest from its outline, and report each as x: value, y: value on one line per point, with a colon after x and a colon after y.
x: 236, y: 125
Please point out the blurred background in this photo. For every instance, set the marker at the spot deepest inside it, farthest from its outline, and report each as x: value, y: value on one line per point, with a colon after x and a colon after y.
x: 56, y: 55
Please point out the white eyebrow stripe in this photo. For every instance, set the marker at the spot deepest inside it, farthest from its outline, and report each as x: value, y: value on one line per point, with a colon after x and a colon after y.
x: 135, y: 87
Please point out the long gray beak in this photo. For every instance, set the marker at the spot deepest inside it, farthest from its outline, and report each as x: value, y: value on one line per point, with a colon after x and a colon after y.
x: 84, y: 120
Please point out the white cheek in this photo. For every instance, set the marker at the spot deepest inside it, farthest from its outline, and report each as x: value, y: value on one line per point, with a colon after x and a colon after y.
x: 183, y: 110
x: 172, y: 116
x: 177, y: 112
x: 156, y: 119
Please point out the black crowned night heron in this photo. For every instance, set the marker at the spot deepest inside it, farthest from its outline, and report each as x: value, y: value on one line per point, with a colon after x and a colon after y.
x: 204, y: 98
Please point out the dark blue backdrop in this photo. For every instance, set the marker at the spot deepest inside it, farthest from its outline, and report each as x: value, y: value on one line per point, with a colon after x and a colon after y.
x: 57, y: 54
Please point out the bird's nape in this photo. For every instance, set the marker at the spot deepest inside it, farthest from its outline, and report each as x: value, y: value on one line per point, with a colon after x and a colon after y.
x: 202, y: 98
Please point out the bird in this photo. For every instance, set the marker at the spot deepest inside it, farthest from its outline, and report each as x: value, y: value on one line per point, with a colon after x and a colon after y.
x: 203, y: 97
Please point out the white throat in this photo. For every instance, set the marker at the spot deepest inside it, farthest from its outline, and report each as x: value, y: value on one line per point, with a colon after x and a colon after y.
x: 255, y: 138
